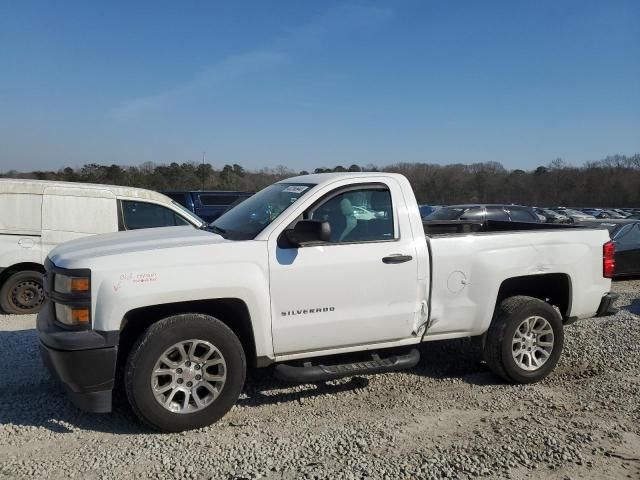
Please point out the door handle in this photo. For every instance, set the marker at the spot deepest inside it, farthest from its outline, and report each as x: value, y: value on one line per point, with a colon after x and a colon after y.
x: 396, y: 258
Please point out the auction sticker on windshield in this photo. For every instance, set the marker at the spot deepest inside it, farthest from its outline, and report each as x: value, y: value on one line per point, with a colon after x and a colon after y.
x: 295, y: 189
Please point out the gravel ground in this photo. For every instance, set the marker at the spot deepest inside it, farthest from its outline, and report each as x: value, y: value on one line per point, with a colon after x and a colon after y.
x: 448, y: 417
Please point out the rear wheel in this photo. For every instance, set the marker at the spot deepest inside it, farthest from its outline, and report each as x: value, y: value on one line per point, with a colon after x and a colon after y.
x: 22, y: 293
x: 185, y: 372
x: 525, y: 340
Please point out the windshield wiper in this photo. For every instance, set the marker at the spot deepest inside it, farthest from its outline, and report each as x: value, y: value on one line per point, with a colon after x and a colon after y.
x: 216, y: 229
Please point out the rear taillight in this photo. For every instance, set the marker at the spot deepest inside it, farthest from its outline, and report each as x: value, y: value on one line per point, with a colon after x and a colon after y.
x: 608, y: 260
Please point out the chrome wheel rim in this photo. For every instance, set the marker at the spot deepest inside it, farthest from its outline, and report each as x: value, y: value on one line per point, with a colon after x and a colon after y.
x: 189, y: 376
x: 532, y: 343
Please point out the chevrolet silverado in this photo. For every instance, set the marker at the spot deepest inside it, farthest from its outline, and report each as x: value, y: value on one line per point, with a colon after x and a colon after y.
x: 297, y: 276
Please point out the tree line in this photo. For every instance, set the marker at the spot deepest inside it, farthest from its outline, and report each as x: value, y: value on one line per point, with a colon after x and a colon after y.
x: 611, y: 182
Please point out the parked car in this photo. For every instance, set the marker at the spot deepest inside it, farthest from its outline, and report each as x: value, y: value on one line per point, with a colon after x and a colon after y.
x: 183, y: 312
x: 625, y: 233
x: 630, y: 211
x: 481, y: 213
x: 595, y: 212
x: 619, y: 212
x: 552, y: 217
x: 575, y: 215
x: 426, y: 210
x: 615, y: 214
x: 541, y: 217
x: 606, y: 213
x: 35, y: 216
x: 208, y: 205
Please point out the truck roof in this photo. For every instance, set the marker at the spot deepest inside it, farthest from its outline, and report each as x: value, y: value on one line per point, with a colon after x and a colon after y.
x: 37, y: 187
x: 317, y: 178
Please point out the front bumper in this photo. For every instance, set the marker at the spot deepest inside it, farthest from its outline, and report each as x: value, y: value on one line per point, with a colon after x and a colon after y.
x: 84, y: 361
x: 606, y: 307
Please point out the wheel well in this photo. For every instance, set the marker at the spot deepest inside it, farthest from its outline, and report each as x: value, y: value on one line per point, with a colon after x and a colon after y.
x: 553, y: 288
x: 19, y: 267
x: 232, y: 312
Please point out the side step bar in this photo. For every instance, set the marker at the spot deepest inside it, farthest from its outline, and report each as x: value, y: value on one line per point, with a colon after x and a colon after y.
x: 309, y: 373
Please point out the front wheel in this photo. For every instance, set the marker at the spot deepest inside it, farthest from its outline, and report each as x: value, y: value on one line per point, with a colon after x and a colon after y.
x: 184, y: 372
x: 525, y: 340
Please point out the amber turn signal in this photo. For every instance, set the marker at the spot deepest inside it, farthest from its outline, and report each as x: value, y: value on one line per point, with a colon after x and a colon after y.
x: 80, y: 315
x: 79, y: 284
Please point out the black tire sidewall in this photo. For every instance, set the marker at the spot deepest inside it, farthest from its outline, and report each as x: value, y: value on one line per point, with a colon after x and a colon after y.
x: 158, y: 338
x: 8, y: 285
x: 533, y: 308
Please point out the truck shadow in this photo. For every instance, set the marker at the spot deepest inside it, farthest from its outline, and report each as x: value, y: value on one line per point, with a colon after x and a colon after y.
x: 455, y: 359
x: 449, y: 359
x: 29, y: 397
x: 262, y: 388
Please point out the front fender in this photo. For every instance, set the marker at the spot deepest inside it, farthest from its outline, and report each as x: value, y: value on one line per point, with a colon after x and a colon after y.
x: 116, y: 291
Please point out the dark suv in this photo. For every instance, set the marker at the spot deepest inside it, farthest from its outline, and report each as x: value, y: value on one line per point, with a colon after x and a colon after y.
x: 208, y: 205
x: 481, y: 213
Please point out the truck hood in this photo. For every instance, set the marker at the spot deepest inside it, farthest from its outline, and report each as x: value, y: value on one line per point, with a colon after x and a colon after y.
x: 130, y: 242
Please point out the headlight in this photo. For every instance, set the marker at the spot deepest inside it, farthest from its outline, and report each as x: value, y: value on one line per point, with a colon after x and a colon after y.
x: 66, y: 284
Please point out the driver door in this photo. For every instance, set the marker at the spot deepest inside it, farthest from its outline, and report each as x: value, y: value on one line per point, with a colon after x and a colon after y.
x: 359, y: 288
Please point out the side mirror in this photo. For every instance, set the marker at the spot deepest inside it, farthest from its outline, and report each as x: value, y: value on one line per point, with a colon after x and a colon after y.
x: 305, y: 234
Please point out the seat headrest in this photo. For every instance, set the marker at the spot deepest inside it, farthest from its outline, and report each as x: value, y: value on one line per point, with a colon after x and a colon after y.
x: 346, y: 207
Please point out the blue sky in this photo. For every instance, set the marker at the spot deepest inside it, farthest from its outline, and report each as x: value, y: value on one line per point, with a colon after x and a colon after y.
x: 317, y: 83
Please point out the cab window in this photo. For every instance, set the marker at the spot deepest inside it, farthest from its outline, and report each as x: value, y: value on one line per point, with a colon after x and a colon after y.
x: 136, y: 215
x: 363, y: 215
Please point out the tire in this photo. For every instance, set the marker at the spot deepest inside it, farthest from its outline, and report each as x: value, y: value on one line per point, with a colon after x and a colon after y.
x: 22, y: 293
x: 199, y: 335
x: 515, y: 356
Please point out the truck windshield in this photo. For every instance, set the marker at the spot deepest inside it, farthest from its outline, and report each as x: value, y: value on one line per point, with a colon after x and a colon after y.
x: 247, y: 219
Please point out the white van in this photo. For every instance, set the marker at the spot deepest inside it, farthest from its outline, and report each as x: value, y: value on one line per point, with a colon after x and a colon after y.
x: 37, y: 215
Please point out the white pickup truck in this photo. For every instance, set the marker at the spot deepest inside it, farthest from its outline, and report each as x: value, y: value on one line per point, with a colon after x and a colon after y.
x: 311, y: 267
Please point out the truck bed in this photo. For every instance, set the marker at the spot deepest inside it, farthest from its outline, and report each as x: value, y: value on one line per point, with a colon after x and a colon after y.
x: 460, y: 227
x: 470, y: 262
